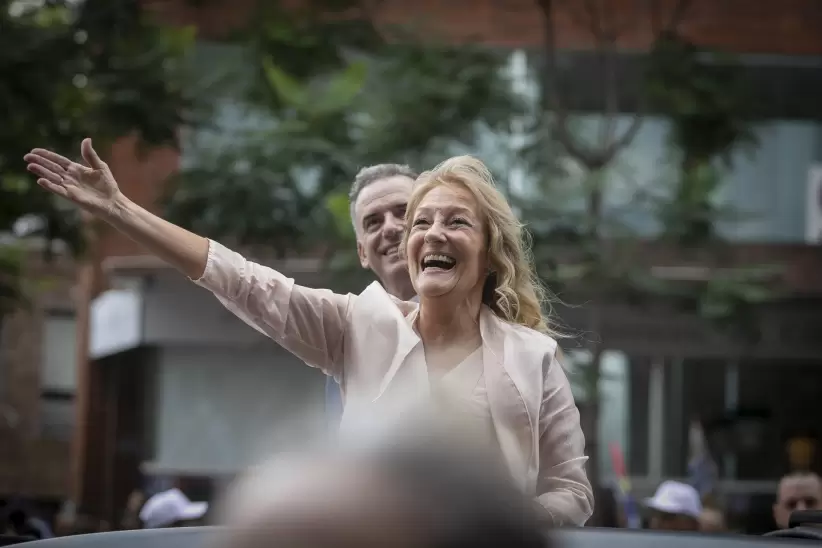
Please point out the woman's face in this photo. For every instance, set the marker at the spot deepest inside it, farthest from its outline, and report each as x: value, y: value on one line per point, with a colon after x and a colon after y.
x: 446, y: 245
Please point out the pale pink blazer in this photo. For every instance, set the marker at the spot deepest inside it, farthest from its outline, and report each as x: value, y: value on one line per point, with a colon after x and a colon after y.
x: 364, y: 342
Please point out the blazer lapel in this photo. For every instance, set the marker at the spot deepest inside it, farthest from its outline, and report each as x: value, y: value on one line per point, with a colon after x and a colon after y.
x: 389, y: 327
x: 512, y: 420
x: 507, y: 385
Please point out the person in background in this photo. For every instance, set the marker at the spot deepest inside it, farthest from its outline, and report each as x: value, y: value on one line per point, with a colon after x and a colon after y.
x: 674, y: 507
x: 25, y: 522
x: 65, y: 520
x: 172, y: 508
x: 131, y: 514
x: 17, y: 524
x: 797, y: 491
x: 608, y: 508
x: 712, y: 521
x: 84, y: 525
x: 378, y: 198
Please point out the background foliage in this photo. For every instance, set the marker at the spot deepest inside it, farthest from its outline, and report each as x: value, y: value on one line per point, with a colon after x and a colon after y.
x: 70, y: 70
x: 331, y: 95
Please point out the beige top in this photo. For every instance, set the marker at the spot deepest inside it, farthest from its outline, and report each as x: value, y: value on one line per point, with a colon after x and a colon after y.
x: 464, y: 388
x: 366, y: 342
x: 462, y: 392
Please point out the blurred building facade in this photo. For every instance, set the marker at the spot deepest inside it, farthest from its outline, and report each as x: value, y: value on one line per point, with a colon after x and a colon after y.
x: 170, y: 384
x: 38, y: 383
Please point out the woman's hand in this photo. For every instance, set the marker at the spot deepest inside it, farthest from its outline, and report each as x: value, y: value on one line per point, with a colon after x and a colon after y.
x: 94, y: 189
x: 91, y: 187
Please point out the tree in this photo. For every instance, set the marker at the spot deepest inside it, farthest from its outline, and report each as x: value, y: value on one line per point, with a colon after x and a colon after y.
x: 71, y: 69
x: 704, y: 97
x: 598, y: 252
x: 595, y: 264
x: 331, y: 94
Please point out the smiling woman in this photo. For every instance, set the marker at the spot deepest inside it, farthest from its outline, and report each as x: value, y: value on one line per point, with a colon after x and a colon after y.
x: 457, y: 204
x: 474, y: 352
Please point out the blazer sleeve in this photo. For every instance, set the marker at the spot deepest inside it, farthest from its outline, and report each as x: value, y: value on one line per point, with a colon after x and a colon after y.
x: 309, y: 323
x: 563, y: 488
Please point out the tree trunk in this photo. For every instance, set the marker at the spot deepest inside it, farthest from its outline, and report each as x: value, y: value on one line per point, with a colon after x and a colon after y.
x: 589, y: 419
x: 590, y: 426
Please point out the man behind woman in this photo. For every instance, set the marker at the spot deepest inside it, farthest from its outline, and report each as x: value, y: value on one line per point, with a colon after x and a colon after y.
x: 477, y: 345
x: 378, y: 199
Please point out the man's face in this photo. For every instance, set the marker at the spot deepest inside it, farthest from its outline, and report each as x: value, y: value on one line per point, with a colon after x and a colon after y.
x: 380, y: 221
x: 663, y: 521
x: 712, y: 521
x: 796, y: 493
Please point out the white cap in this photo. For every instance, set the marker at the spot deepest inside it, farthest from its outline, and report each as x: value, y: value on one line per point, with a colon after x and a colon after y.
x: 673, y: 497
x: 168, y: 507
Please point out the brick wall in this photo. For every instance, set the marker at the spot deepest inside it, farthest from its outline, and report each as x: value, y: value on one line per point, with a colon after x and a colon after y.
x: 744, y: 26
x: 30, y: 464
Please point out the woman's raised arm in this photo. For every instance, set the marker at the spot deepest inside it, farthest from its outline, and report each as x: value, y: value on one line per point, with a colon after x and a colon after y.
x: 94, y: 189
x: 310, y: 323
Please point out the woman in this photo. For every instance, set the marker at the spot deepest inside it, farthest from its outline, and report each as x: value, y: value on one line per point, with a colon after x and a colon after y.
x: 477, y: 332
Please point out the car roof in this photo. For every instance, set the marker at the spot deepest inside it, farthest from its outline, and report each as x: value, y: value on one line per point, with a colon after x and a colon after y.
x: 194, y: 537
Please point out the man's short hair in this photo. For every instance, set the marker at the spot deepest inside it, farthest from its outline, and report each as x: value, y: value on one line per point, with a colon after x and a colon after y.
x: 797, y: 476
x: 372, y: 174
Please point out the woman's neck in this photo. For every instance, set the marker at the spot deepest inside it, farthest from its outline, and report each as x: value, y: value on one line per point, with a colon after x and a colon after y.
x: 443, y: 323
x: 449, y: 331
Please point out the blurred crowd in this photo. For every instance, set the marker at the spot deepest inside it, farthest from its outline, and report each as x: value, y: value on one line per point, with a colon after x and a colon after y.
x: 335, y: 486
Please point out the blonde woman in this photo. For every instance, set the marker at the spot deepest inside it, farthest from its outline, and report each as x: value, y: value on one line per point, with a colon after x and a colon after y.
x: 478, y: 333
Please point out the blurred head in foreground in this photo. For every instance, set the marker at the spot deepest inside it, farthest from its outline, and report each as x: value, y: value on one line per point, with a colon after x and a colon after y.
x: 414, y: 495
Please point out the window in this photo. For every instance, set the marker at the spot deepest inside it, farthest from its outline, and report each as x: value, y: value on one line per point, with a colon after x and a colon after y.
x: 694, y: 390
x: 615, y: 417
x: 788, y: 391
x: 58, y: 375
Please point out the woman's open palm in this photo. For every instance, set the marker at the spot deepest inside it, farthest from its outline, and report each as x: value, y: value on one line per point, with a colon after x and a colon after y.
x: 91, y: 186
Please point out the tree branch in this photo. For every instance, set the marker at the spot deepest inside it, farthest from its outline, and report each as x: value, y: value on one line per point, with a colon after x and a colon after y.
x: 630, y: 133
x: 370, y: 8
x: 606, y: 48
x: 595, y: 22
x: 654, y: 10
x: 680, y: 11
x: 551, y: 96
x: 609, y: 144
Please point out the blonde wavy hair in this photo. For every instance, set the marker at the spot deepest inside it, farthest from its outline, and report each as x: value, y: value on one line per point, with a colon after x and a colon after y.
x: 512, y: 290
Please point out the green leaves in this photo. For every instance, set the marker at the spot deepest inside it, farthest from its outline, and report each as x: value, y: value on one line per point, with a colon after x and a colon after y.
x: 704, y: 98
x: 331, y: 97
x: 343, y: 88
x: 73, y: 69
x: 339, y: 207
x: 289, y: 89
